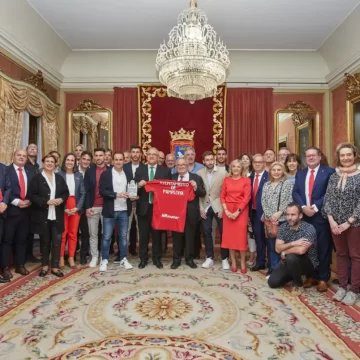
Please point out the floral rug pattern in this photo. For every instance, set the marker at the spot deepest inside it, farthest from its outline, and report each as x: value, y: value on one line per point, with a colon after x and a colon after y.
x: 154, y: 314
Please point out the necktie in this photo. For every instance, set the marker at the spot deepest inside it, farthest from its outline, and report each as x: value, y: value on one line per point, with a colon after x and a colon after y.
x: 151, y: 177
x: 22, y: 184
x: 311, y: 185
x: 181, y: 178
x: 1, y: 196
x: 256, y: 187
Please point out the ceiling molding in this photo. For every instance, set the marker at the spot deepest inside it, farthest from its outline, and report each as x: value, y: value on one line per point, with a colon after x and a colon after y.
x: 23, y: 54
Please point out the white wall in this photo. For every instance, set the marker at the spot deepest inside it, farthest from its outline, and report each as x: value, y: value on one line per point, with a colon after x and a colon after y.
x: 109, y: 68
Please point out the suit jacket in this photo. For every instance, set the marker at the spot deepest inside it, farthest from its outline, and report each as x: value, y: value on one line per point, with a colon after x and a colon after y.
x: 107, y: 192
x: 128, y: 170
x: 15, y: 188
x: 39, y: 194
x: 142, y: 173
x: 212, y: 196
x: 5, y: 187
x: 264, y: 179
x: 193, y: 207
x: 319, y: 189
x: 79, y: 190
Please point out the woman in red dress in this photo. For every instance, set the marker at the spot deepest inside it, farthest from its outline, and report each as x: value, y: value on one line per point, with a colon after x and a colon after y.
x: 235, y: 196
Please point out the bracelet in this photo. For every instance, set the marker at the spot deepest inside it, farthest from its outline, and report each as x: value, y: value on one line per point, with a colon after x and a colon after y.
x: 349, y: 222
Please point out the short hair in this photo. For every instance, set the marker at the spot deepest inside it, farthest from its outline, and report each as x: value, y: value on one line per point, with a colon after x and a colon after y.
x: 81, y: 145
x: 30, y: 145
x: 284, y: 148
x: 314, y: 148
x: 63, y: 167
x: 256, y: 155
x: 207, y: 153
x: 99, y: 149
x: 295, y: 204
x: 109, y: 150
x: 85, y: 152
x: 170, y: 154
x: 221, y: 148
x: 292, y: 157
x: 177, y: 160
x: 242, y: 170
x: 346, y: 145
x: 49, y: 156
x: 135, y: 146
x: 251, y: 169
x: 126, y: 151
x: 154, y: 148
x: 269, y: 149
x: 119, y: 153
x: 190, y: 149
x: 277, y: 163
x: 55, y: 152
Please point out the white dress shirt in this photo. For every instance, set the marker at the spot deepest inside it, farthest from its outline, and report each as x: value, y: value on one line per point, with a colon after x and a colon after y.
x: 70, y: 181
x: 307, y: 187
x: 134, y: 167
x: 260, y: 177
x: 52, y: 186
x: 185, y: 177
x: 119, y: 184
x: 209, y: 177
x: 15, y: 202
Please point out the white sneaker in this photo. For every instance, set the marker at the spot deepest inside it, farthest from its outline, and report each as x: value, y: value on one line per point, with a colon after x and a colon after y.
x: 340, y: 294
x: 103, y: 265
x: 124, y: 262
x: 93, y: 262
x: 225, y: 264
x: 208, y: 263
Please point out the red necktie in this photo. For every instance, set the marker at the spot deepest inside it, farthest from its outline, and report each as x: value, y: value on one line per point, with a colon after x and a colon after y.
x: 1, y: 196
x: 22, y: 184
x: 311, y: 185
x: 256, y: 187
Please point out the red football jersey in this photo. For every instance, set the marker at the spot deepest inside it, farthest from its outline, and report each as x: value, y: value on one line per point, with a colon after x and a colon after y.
x: 170, y: 201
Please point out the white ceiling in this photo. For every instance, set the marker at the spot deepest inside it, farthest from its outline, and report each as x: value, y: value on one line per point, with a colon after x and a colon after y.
x: 241, y: 24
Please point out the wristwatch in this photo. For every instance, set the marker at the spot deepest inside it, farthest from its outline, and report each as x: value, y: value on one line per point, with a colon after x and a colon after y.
x: 349, y: 222
x: 283, y: 254
x: 239, y: 210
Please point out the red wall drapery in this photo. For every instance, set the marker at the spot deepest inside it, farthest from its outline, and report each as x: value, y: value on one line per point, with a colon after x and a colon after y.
x: 125, y: 122
x: 249, y: 120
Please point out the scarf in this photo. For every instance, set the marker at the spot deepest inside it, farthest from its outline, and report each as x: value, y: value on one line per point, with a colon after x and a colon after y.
x: 343, y: 174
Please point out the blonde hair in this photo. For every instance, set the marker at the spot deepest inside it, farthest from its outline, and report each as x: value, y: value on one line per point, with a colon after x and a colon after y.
x: 243, y: 171
x: 346, y: 145
x: 277, y: 163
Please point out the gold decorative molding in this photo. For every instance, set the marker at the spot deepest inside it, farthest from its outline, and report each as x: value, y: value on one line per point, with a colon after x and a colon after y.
x: 352, y: 86
x: 182, y: 135
x: 298, y: 107
x: 37, y: 81
x: 90, y: 105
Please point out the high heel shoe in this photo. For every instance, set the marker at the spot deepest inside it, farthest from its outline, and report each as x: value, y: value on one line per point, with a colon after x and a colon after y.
x: 72, y: 264
x: 57, y: 273
x: 234, y: 270
x: 61, y: 263
x: 43, y: 272
x: 243, y: 271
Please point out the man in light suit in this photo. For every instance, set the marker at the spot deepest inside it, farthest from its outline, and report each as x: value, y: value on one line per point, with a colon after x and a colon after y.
x: 210, y: 207
x: 258, y: 178
x: 5, y: 192
x: 17, y: 225
x: 309, y: 191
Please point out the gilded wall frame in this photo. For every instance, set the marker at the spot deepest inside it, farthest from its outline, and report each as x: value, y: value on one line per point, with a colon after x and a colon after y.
x: 352, y: 86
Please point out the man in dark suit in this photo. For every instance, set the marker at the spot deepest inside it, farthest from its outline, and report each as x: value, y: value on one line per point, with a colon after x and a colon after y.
x: 192, y: 216
x: 144, y: 208
x: 258, y: 178
x: 17, y: 223
x: 309, y: 191
x: 5, y: 192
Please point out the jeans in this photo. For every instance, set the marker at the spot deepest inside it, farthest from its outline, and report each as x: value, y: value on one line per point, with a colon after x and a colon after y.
x: 272, y: 255
x: 121, y: 219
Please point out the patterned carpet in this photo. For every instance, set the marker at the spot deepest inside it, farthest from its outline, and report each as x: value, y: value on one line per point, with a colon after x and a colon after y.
x: 166, y: 314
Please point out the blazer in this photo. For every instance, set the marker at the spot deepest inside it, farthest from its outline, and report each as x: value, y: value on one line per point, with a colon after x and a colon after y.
x: 142, y: 173
x: 90, y: 186
x: 107, y: 192
x: 128, y: 170
x: 79, y: 189
x: 39, y: 194
x: 212, y: 196
x: 15, y: 188
x: 259, y: 209
x: 193, y: 206
x: 319, y: 189
x: 5, y: 187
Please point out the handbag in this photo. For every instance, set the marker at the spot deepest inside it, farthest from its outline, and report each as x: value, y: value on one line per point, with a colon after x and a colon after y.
x: 271, y: 229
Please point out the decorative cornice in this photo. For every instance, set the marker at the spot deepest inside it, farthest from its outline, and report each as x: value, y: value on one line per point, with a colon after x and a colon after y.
x: 352, y: 85
x: 37, y: 81
x: 298, y: 107
x: 90, y: 105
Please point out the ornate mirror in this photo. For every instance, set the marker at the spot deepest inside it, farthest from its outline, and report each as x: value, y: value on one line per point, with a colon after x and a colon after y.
x: 352, y: 85
x: 296, y: 127
x: 90, y: 124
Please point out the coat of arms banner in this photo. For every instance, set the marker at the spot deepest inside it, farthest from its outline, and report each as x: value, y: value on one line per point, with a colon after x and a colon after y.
x: 160, y: 115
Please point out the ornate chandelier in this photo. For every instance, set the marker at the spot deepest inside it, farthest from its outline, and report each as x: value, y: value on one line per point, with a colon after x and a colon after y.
x: 193, y: 62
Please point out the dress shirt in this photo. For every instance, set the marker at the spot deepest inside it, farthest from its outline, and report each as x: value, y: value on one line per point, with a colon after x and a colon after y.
x: 15, y: 202
x: 70, y: 182
x: 134, y: 167
x: 209, y: 177
x: 307, y: 187
x: 260, y: 177
x: 52, y: 186
x: 119, y: 185
x: 185, y: 177
x: 82, y: 172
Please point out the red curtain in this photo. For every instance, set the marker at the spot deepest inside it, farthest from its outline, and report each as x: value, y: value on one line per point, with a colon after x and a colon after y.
x: 249, y: 121
x: 125, y: 122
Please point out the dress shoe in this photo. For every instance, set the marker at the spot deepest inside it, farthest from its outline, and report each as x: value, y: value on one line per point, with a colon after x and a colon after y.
x: 175, y: 265
x: 7, y: 274
x: 133, y: 253
x: 83, y: 260
x: 43, y: 272
x: 322, y: 286
x: 57, y: 273
x: 158, y: 264
x: 3, y: 281
x: 234, y: 270
x: 309, y: 282
x: 257, y: 268
x: 33, y: 259
x: 22, y: 270
x: 191, y: 264
x: 243, y: 271
x: 142, y: 264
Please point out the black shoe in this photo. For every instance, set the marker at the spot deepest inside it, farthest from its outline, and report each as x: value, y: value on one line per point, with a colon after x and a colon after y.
x: 257, y: 268
x: 43, y: 272
x: 133, y: 252
x: 83, y: 260
x: 269, y: 272
x: 3, y: 281
x: 175, y: 265
x: 142, y: 264
x: 158, y: 264
x: 335, y: 281
x: 191, y: 264
x: 33, y: 259
x: 58, y: 273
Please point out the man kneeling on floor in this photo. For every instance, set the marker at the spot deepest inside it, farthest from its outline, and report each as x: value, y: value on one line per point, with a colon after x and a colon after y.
x: 296, y: 242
